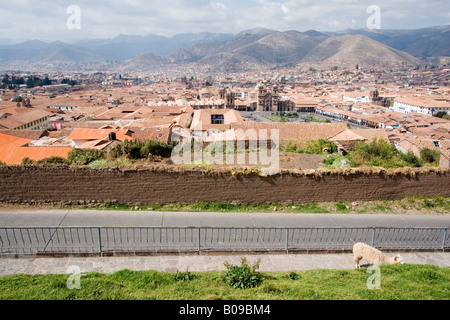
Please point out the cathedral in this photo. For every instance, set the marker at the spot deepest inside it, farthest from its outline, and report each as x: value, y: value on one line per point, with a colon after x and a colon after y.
x: 269, y: 100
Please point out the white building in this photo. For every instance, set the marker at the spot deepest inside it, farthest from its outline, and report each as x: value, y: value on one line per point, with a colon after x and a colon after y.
x: 420, y: 105
x: 356, y: 97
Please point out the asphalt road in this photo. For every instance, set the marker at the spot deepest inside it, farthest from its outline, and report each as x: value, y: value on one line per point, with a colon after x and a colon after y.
x: 98, y: 218
x: 32, y: 240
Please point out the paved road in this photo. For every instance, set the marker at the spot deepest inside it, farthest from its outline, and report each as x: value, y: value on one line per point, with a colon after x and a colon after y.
x: 50, y: 218
x: 206, y: 235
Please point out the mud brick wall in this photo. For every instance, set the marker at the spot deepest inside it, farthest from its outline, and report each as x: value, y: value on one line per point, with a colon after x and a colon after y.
x: 78, y: 185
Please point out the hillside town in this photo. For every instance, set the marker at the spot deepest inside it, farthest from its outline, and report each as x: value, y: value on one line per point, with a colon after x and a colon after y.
x: 408, y: 108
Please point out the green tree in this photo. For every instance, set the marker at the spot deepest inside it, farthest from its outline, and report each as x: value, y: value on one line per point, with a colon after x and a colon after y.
x: 46, y: 82
x: 83, y: 157
x: 411, y: 159
x: 430, y: 156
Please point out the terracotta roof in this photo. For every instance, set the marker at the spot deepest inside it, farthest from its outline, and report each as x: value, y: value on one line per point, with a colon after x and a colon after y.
x: 347, y: 135
x: 12, y: 150
x: 10, y: 123
x: 9, y: 141
x: 233, y: 134
x: 153, y: 133
x: 296, y: 131
x: 35, y: 153
x: 98, y: 134
x: 63, y: 133
x: 33, y: 115
x: 203, y: 117
x: 28, y: 134
x: 95, y: 144
x: 371, y: 134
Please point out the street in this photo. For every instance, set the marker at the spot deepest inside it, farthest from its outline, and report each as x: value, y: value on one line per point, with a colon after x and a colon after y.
x: 53, y: 218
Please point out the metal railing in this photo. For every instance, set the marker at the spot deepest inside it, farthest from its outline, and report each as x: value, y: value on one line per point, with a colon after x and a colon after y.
x: 102, y: 240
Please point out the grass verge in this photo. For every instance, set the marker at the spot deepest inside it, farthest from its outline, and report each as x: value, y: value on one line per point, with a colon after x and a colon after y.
x: 398, y: 282
x: 423, y: 205
x: 414, y: 205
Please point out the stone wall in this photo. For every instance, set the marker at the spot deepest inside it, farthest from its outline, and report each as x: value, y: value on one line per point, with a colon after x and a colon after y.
x: 77, y: 185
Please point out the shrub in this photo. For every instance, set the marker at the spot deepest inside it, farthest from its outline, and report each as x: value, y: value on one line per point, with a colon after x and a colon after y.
x: 51, y: 161
x: 329, y: 161
x: 156, y: 148
x: 311, y: 146
x: 380, y: 153
x: 291, y: 146
x: 293, y: 276
x: 411, y: 159
x: 341, y: 207
x: 101, y: 163
x: 375, y: 149
x: 137, y: 149
x: 430, y: 156
x: 132, y: 149
x: 183, y: 276
x: 244, y: 276
x: 27, y: 160
x: 83, y: 157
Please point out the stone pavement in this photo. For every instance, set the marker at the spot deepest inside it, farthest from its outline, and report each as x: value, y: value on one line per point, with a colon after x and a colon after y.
x: 268, y: 262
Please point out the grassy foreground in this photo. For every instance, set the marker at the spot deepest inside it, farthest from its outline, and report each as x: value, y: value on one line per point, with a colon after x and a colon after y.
x: 398, y: 282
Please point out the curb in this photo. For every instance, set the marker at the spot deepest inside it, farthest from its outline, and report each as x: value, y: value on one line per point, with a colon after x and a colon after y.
x: 203, y: 253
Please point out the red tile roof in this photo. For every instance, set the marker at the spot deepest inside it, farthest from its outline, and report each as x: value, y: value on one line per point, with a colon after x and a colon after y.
x: 98, y: 134
x: 13, y: 150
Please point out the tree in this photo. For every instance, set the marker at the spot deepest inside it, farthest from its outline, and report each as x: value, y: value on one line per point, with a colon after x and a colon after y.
x: 440, y: 114
x: 5, y: 79
x: 69, y: 82
x: 430, y: 156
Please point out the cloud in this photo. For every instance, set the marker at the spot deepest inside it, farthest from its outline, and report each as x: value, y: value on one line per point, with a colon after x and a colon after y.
x: 46, y: 19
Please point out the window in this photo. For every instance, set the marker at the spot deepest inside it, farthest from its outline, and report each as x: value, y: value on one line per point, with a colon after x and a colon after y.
x: 217, y: 119
x: 437, y: 144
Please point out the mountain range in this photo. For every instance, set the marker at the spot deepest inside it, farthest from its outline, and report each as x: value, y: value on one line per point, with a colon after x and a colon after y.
x: 255, y: 48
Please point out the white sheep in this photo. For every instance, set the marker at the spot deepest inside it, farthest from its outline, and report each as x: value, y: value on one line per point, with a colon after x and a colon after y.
x: 373, y: 256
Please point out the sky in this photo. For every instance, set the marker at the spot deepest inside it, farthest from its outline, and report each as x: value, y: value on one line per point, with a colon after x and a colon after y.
x: 72, y: 20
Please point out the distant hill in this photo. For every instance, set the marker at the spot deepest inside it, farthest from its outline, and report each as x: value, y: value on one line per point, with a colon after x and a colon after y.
x: 144, y: 63
x: 200, y: 51
x: 420, y: 43
x: 423, y: 43
x: 256, y: 48
x: 252, y: 48
x: 39, y: 53
x: 229, y: 62
x: 125, y: 47
x: 61, y: 52
x: 348, y: 51
x: 281, y: 47
x: 21, y: 51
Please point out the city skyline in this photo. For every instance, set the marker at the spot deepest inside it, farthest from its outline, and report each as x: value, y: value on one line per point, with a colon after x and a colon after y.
x: 47, y: 21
